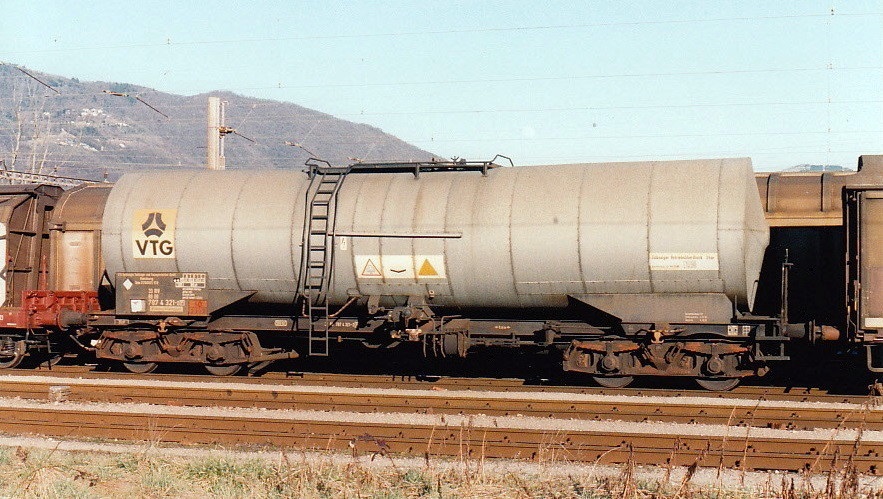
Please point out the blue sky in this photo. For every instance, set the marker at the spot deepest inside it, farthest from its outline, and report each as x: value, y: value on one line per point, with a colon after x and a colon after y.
x: 783, y: 82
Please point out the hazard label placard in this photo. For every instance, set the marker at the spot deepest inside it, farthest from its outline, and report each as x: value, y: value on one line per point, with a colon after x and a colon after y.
x: 427, y: 270
x: 367, y: 266
x: 370, y: 269
x: 430, y: 266
x: 397, y: 266
x: 400, y: 267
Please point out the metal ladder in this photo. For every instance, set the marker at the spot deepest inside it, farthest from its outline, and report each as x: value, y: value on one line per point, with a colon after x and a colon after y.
x: 317, y: 255
x: 317, y: 259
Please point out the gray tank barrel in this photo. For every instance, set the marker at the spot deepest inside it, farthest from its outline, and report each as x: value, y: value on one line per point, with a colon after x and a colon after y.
x: 516, y: 237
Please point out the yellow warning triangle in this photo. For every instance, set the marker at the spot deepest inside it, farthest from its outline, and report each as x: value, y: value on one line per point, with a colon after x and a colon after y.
x: 427, y: 269
x: 370, y: 270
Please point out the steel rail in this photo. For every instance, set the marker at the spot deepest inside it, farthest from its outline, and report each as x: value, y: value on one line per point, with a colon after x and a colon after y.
x: 796, y: 394
x: 731, y: 412
x: 459, y: 440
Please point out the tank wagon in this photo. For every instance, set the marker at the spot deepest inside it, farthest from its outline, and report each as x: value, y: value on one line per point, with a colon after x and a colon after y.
x: 627, y: 269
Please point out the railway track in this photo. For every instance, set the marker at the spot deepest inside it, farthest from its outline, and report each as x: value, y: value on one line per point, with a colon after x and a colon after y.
x: 752, y: 428
x: 795, y: 394
x: 453, y: 431
x: 562, y: 405
x: 467, y: 437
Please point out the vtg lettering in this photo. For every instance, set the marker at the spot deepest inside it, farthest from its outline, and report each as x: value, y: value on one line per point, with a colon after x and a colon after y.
x: 154, y: 247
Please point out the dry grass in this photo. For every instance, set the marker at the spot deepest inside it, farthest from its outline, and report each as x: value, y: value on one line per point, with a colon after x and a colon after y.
x: 54, y: 473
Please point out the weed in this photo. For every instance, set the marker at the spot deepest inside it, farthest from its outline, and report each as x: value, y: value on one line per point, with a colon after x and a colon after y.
x: 54, y: 473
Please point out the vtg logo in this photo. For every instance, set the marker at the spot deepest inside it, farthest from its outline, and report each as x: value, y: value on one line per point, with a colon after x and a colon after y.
x: 153, y: 234
x: 154, y: 225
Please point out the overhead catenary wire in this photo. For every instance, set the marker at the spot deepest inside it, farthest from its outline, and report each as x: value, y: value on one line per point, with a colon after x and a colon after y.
x: 325, y: 117
x: 124, y: 166
x: 277, y: 141
x: 38, y: 80
x: 139, y: 99
x: 826, y: 68
x: 345, y: 109
x: 168, y: 42
x: 516, y: 79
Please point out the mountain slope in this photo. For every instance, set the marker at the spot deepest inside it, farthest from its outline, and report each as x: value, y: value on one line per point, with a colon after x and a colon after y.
x: 77, y: 129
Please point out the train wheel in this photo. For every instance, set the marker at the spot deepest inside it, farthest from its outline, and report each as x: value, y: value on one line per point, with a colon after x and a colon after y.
x: 11, y: 353
x: 223, y: 370
x: 614, y: 381
x: 718, y: 385
x: 140, y: 367
x: 11, y: 360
